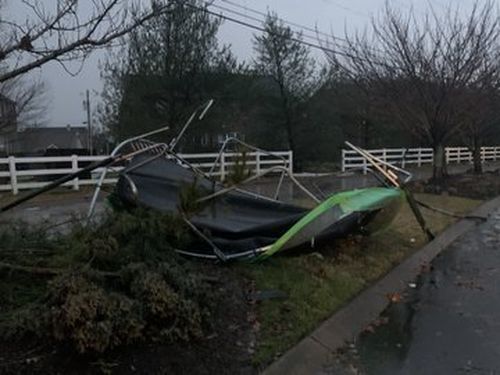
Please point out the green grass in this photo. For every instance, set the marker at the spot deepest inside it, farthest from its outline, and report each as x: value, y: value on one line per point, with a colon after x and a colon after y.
x: 320, y: 283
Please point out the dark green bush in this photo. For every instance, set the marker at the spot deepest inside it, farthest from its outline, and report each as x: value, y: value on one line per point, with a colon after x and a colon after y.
x: 119, y: 283
x: 239, y: 172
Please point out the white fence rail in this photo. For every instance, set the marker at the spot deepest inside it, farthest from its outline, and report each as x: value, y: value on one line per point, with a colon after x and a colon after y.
x: 415, y: 156
x: 19, y: 173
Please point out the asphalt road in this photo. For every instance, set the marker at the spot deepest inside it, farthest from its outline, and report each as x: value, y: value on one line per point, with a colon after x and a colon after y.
x: 449, y: 323
x: 53, y: 209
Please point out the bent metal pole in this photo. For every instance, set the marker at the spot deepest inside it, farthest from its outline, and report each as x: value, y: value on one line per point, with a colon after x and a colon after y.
x: 113, y: 153
x: 57, y: 183
x: 172, y: 145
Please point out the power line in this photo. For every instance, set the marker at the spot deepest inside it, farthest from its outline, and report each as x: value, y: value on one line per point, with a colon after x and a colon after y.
x: 261, y: 29
x: 305, y: 35
x: 301, y: 27
x: 284, y: 21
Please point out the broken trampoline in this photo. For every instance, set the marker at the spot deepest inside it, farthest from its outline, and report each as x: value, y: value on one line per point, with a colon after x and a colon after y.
x: 231, y: 222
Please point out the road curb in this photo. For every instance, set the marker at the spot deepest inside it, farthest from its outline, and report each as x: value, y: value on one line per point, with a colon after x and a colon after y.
x: 314, y: 352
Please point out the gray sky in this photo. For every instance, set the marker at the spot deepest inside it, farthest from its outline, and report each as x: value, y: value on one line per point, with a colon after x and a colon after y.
x: 66, y: 93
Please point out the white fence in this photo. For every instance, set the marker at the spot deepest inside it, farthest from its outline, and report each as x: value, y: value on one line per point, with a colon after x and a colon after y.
x: 415, y: 156
x: 18, y: 173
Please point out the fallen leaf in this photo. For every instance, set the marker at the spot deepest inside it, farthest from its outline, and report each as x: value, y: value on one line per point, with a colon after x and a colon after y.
x: 394, y: 297
x: 425, y: 268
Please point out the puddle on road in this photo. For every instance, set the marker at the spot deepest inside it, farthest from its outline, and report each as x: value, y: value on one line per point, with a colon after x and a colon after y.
x: 384, y: 350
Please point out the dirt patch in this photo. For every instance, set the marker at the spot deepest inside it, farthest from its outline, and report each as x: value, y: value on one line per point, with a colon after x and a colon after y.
x: 226, y: 347
x: 483, y: 186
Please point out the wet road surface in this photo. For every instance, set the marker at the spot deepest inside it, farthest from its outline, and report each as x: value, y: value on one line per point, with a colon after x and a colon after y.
x: 57, y: 210
x: 449, y: 322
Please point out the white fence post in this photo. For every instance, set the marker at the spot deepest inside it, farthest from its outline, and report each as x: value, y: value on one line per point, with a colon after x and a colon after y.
x: 74, y: 168
x: 343, y: 160
x: 13, y: 175
x: 419, y: 157
x: 290, y: 161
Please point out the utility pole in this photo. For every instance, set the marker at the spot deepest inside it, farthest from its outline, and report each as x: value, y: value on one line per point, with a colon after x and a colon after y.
x: 89, y: 123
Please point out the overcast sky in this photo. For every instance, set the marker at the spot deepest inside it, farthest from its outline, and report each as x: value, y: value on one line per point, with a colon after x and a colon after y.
x: 66, y: 93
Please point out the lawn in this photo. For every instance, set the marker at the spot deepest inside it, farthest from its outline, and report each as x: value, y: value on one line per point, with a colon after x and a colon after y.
x: 319, y: 283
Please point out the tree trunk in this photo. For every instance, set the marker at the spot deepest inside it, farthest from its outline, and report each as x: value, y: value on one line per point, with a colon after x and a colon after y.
x: 476, y: 157
x: 292, y: 146
x: 286, y: 106
x: 439, y: 168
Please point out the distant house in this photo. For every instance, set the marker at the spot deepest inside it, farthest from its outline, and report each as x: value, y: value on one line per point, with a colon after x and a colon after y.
x: 15, y: 139
x: 8, y: 123
x: 42, y: 140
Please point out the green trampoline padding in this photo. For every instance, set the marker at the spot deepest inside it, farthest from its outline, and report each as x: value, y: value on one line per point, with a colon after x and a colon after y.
x: 333, y: 210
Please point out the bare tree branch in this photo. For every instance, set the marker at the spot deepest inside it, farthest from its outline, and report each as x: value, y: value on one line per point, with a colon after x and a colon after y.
x: 30, y: 101
x: 67, y: 34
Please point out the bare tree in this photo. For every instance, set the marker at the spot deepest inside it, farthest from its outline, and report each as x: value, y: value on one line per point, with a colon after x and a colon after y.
x: 30, y: 101
x: 419, y: 72
x: 27, y: 95
x: 67, y: 30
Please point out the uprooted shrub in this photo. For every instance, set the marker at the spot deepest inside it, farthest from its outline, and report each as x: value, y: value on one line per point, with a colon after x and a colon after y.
x: 85, y: 314
x: 118, y: 284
